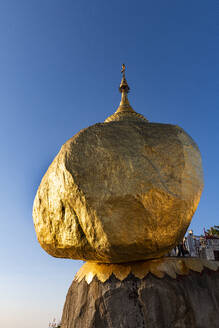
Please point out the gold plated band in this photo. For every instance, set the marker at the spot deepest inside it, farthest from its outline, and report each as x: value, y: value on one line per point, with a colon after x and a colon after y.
x: 158, y: 267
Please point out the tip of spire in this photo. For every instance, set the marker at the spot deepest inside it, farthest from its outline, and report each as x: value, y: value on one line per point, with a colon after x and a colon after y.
x: 124, y: 87
x: 124, y: 111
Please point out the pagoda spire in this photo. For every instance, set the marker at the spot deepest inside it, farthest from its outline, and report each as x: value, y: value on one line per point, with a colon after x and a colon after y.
x: 125, y: 111
x: 124, y: 89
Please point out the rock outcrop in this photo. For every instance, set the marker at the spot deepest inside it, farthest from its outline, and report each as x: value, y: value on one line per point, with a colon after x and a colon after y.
x: 119, y: 191
x: 190, y: 301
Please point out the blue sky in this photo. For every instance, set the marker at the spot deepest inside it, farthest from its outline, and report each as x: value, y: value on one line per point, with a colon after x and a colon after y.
x: 59, y: 72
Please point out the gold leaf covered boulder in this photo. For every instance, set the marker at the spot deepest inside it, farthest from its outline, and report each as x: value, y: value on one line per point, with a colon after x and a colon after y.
x: 119, y: 191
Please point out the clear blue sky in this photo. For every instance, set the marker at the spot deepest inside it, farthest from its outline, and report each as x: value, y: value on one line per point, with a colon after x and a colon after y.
x: 59, y: 72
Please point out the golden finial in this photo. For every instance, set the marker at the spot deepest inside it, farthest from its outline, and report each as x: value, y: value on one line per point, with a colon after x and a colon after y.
x: 124, y: 111
x: 123, y: 70
x: 123, y: 85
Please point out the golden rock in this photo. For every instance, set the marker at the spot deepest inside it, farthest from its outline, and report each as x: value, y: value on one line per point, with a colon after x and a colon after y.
x: 120, y: 191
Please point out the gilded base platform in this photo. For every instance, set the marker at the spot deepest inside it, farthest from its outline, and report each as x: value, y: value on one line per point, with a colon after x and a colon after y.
x: 171, y: 266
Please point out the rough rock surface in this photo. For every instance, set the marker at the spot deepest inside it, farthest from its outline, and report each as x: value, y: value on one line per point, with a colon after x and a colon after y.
x: 119, y: 191
x: 190, y: 301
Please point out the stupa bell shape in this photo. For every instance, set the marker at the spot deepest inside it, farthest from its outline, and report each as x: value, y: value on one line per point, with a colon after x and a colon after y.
x: 119, y: 191
x: 125, y: 111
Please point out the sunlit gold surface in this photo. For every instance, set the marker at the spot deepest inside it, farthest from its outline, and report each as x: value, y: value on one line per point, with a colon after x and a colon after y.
x: 165, y: 266
x: 119, y: 191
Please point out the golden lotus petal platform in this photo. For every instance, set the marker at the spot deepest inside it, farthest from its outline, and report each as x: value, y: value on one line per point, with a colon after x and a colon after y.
x: 171, y: 266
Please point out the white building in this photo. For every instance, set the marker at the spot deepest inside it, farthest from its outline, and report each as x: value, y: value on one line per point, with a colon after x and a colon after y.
x: 206, y: 247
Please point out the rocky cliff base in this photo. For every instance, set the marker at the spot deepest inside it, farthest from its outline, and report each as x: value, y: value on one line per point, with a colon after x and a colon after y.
x: 188, y: 301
